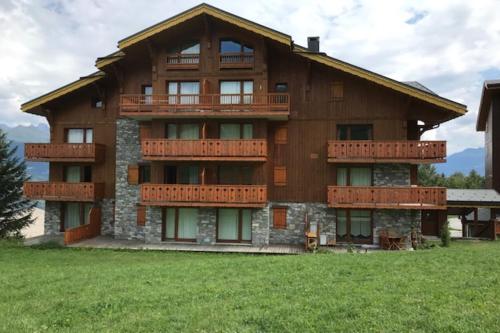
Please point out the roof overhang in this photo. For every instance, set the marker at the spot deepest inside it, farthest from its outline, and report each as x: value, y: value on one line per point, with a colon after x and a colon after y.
x: 466, y: 198
x: 322, y: 58
x: 102, y: 62
x: 209, y: 10
x: 82, y: 82
x: 489, y: 89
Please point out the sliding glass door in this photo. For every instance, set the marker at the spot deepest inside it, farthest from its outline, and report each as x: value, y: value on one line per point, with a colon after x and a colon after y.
x: 354, y: 226
x: 236, y: 92
x: 234, y: 225
x: 183, y: 92
x: 180, y: 224
x: 75, y: 214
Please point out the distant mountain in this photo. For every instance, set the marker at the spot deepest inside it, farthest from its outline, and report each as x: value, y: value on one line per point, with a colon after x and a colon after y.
x: 464, y: 161
x: 19, y: 135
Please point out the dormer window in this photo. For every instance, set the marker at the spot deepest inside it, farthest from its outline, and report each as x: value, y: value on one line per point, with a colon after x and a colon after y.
x: 234, y: 54
x: 184, y: 56
x: 96, y: 103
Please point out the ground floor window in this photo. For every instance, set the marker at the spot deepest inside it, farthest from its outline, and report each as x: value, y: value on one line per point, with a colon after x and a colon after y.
x: 354, y: 226
x: 75, y: 214
x: 234, y: 225
x: 180, y: 224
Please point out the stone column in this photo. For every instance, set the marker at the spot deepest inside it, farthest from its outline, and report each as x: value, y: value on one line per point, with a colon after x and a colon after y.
x: 52, y: 220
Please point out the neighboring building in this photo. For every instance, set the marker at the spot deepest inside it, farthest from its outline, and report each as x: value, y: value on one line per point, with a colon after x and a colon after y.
x: 210, y: 128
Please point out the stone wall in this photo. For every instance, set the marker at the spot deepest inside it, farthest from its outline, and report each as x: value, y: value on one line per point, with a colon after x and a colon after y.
x: 207, y: 221
x: 128, y: 151
x: 107, y: 221
x: 152, y: 230
x: 260, y: 226
x: 295, y: 222
x: 52, y: 220
x: 391, y: 175
x: 402, y: 221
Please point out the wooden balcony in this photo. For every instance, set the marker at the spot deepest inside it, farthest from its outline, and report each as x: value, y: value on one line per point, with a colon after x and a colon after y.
x: 405, y: 151
x: 371, y: 197
x: 183, y: 61
x: 236, y: 60
x: 204, y: 150
x: 86, y: 231
x: 203, y: 195
x: 64, y: 152
x: 271, y: 106
x: 61, y: 191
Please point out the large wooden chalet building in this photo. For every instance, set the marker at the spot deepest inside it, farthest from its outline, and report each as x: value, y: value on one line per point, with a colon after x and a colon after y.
x: 210, y: 128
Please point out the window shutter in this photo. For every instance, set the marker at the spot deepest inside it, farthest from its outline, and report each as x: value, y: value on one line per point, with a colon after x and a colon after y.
x: 133, y: 174
x: 279, y: 218
x: 145, y: 131
x: 141, y: 215
x: 279, y: 176
x: 281, y: 135
x: 338, y: 91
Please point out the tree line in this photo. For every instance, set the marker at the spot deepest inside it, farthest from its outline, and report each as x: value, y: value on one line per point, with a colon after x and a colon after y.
x: 428, y: 176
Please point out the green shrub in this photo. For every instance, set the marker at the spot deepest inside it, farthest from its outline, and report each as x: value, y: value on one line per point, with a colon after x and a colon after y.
x: 445, y: 235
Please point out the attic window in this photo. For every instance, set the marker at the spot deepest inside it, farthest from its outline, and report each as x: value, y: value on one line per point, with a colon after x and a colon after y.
x: 96, y: 103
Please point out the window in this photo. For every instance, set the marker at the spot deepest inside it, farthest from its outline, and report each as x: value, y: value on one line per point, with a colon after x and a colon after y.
x: 188, y: 174
x: 96, y: 103
x: 144, y: 174
x: 354, y: 132
x: 354, y: 176
x: 280, y: 176
x: 180, y: 224
x: 75, y: 214
x: 147, y: 91
x: 354, y: 226
x: 235, y: 175
x: 279, y: 217
x: 232, y: 46
x: 281, y: 87
x: 183, y: 92
x: 183, y: 131
x: 236, y: 131
x: 79, y: 135
x: 188, y: 47
x: 236, y: 92
x: 77, y: 173
x: 234, y: 225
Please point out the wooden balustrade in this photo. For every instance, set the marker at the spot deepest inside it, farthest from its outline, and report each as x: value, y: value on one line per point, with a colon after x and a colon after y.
x: 204, y: 195
x: 86, y: 231
x: 62, y: 191
x: 183, y: 61
x: 371, y: 197
x: 367, y: 151
x: 64, y: 152
x: 236, y: 60
x: 205, y: 150
x: 272, y: 105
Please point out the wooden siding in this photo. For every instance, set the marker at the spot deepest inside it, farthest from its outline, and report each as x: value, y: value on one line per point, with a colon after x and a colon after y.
x: 61, y: 191
x: 402, y: 151
x: 86, y: 231
x: 64, y: 152
x: 204, y: 195
x: 371, y: 197
x: 204, y: 150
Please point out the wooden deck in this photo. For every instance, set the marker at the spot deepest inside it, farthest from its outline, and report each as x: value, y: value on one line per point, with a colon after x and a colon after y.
x: 104, y: 242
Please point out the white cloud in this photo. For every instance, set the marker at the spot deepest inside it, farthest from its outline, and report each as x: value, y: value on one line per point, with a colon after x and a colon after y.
x: 450, y: 46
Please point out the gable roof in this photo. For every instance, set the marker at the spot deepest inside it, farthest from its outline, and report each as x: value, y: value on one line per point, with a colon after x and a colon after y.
x: 419, y: 92
x: 75, y: 85
x: 489, y: 87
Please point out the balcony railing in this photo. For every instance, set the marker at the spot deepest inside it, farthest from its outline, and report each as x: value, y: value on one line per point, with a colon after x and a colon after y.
x: 272, y: 105
x: 183, y: 61
x: 205, y: 150
x: 62, y: 191
x: 86, y: 231
x: 371, y: 197
x: 407, y: 151
x: 64, y: 152
x: 204, y: 195
x: 236, y: 60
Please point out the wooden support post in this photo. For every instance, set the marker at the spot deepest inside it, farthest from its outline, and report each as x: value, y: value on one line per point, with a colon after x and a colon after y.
x: 475, y: 222
x: 203, y: 176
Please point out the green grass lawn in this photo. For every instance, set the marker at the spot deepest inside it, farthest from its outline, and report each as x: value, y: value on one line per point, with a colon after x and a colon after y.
x: 454, y: 289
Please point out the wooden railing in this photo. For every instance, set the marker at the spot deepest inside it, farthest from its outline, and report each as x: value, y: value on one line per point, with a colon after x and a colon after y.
x: 61, y: 152
x: 183, y: 61
x: 204, y: 195
x: 86, y: 231
x: 236, y: 60
x: 205, y: 149
x: 62, y: 191
x: 273, y: 104
x: 367, y: 151
x: 387, y: 197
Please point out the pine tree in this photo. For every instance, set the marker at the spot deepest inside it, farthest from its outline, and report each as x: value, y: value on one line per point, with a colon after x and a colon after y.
x: 15, y: 210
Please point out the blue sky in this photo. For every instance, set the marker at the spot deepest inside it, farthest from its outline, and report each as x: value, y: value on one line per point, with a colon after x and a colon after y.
x: 449, y: 46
